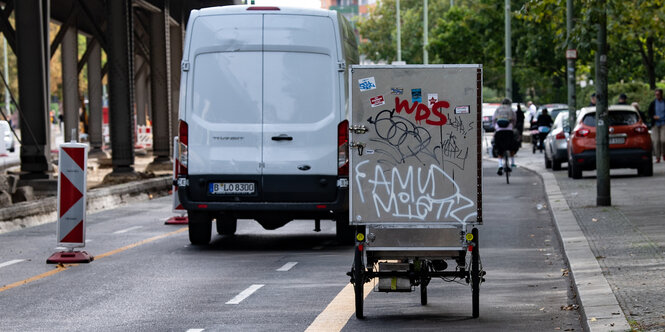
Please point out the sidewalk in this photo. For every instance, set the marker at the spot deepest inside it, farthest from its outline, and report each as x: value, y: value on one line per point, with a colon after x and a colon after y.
x: 623, y: 246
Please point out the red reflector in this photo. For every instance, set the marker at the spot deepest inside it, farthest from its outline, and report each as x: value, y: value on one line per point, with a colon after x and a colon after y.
x: 360, y: 247
x: 321, y: 206
x: 581, y: 160
x: 470, y: 248
x: 202, y: 206
x: 262, y: 8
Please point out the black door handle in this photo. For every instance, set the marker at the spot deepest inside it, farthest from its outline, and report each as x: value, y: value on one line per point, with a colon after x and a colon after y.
x: 282, y: 137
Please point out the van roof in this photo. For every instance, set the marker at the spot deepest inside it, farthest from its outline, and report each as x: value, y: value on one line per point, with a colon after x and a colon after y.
x: 243, y: 9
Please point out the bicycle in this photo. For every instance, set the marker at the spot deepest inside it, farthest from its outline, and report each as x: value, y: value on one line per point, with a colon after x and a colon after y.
x: 506, y: 165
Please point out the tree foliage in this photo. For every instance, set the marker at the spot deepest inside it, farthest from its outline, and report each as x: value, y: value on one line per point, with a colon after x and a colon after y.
x: 473, y: 32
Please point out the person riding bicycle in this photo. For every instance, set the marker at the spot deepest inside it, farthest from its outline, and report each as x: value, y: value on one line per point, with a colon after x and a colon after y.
x: 544, y: 124
x: 504, y: 121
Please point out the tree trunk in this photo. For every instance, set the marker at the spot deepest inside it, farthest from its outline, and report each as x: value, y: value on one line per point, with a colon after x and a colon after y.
x: 648, y: 60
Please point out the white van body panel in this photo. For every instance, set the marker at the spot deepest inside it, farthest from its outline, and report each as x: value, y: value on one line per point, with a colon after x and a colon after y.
x: 300, y: 89
x: 224, y: 113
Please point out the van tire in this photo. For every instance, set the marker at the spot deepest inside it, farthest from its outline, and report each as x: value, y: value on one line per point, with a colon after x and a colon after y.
x: 226, y: 224
x: 200, y: 228
x: 345, y: 233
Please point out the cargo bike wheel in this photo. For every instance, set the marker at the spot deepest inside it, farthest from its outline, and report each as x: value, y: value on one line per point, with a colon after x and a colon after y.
x: 358, y: 274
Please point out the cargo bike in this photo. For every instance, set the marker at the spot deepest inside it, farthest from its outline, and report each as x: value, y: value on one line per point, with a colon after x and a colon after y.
x: 415, y: 180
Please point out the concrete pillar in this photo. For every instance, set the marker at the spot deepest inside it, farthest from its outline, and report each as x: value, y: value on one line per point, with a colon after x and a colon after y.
x: 70, y: 84
x: 141, y: 79
x: 95, y: 98
x: 120, y: 54
x: 159, y: 80
x: 176, y: 58
x: 32, y: 57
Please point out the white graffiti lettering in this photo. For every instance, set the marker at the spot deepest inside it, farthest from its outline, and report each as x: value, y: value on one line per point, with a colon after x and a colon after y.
x: 413, y: 194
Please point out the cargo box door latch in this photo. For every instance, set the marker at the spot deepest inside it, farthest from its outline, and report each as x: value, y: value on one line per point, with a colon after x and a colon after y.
x: 184, y: 66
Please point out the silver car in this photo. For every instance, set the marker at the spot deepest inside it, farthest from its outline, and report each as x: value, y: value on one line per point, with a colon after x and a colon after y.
x: 9, y: 137
x: 556, y: 142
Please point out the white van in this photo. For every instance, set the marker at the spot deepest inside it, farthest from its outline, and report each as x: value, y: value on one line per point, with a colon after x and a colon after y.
x: 263, y: 108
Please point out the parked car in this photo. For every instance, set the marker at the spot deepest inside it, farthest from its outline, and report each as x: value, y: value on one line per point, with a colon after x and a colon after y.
x: 9, y: 137
x: 488, y: 114
x: 556, y: 142
x: 629, y: 141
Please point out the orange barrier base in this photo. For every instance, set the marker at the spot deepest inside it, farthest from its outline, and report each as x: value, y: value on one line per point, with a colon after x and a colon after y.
x: 177, y: 220
x: 70, y: 257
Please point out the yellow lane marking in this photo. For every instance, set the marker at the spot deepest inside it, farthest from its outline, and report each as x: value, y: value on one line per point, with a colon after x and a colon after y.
x: 154, y: 238
x: 338, y: 311
x: 60, y: 268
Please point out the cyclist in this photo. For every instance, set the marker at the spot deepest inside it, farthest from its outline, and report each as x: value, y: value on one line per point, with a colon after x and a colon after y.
x: 504, y: 121
x: 544, y: 124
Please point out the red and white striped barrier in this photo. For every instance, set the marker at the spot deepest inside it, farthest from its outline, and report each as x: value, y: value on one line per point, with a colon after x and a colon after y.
x: 181, y: 218
x: 143, y: 137
x: 72, y: 161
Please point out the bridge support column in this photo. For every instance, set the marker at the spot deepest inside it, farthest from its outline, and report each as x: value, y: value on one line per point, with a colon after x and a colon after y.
x: 159, y: 84
x: 32, y: 58
x: 70, y: 85
x: 95, y: 98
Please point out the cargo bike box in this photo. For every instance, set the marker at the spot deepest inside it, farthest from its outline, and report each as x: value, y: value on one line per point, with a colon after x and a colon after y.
x: 415, y: 182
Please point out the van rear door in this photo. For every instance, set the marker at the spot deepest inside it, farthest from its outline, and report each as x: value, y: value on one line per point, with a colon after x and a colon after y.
x: 300, y: 107
x: 225, y: 121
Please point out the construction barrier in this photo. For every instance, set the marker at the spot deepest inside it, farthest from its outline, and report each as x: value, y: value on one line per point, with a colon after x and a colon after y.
x: 181, y: 218
x: 143, y: 137
x: 72, y: 161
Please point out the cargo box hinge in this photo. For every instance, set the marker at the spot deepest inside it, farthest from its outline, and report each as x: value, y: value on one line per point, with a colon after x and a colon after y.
x: 341, y: 66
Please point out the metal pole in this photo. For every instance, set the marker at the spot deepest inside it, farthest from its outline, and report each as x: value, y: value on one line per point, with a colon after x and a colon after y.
x: 603, y: 197
x: 399, y: 34
x: 572, y: 97
x: 7, y: 98
x: 425, y: 30
x: 509, y: 60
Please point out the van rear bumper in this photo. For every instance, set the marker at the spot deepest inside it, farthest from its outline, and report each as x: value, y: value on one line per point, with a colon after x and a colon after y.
x: 284, y: 204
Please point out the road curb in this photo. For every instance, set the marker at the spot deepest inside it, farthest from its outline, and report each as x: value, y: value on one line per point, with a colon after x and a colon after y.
x: 28, y: 214
x: 598, y: 304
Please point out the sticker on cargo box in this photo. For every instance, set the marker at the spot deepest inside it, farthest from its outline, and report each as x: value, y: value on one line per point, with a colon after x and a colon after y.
x: 367, y: 84
x: 416, y: 95
x: 377, y: 101
x: 396, y: 91
x: 432, y: 98
x: 462, y: 109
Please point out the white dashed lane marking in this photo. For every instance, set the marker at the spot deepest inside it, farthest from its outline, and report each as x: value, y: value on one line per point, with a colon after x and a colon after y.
x: 8, y: 263
x: 127, y: 230
x: 287, y: 266
x: 245, y: 294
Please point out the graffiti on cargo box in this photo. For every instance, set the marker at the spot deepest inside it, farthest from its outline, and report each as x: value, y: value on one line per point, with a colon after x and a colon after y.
x: 422, y: 193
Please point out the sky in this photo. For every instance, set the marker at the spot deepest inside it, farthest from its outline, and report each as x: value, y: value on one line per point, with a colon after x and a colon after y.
x: 289, y: 3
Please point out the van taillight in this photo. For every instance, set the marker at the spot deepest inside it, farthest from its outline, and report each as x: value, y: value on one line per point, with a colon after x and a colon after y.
x: 343, y: 148
x: 560, y: 135
x: 182, y: 148
x: 582, y: 132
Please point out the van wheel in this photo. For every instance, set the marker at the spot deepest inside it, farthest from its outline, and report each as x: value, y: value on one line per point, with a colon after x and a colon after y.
x: 226, y: 224
x: 345, y: 233
x: 548, y: 162
x: 200, y: 228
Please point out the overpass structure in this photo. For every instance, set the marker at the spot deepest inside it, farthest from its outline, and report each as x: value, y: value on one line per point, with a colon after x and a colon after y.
x: 142, y: 40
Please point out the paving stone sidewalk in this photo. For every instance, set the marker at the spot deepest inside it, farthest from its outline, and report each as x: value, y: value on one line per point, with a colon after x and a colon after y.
x: 627, y: 238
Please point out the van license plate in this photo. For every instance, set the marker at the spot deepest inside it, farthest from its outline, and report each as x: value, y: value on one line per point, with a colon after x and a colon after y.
x: 231, y: 188
x: 617, y: 140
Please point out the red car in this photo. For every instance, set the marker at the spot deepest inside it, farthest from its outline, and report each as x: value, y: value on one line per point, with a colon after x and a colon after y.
x: 629, y: 141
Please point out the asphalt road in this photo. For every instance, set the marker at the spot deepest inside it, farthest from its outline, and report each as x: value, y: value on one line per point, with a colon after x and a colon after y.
x: 146, y: 276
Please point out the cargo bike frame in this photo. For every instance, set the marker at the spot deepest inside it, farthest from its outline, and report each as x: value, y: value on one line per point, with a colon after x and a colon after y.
x: 415, y: 181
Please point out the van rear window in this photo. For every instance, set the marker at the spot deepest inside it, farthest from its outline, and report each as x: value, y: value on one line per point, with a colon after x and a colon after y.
x: 616, y: 118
